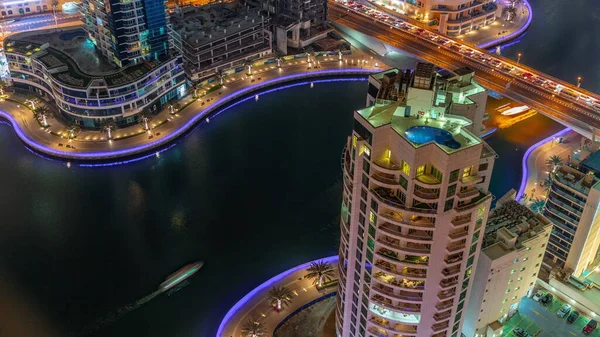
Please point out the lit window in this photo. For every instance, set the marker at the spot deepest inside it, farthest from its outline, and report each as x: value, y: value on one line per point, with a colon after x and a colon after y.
x: 372, y: 217
x: 510, y: 281
x: 507, y: 291
x: 420, y: 170
x: 528, y: 249
x: 354, y: 138
x: 505, y: 300
x: 525, y: 259
x: 366, y: 151
x: 466, y: 171
x: 513, y: 271
x: 516, y: 260
x: 514, y: 298
x: 519, y: 279
x: 517, y: 288
x: 406, y: 168
x: 480, y: 211
x: 502, y: 310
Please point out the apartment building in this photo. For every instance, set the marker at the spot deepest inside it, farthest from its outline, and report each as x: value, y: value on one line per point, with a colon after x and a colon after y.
x: 218, y: 37
x: 414, y: 207
x: 572, y: 205
x: 513, y: 249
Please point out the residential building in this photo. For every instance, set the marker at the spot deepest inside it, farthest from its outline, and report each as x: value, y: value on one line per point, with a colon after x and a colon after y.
x: 58, y: 65
x: 413, y: 212
x: 572, y: 205
x: 19, y: 8
x: 438, y: 93
x: 511, y: 256
x: 219, y: 37
x: 127, y: 32
x: 455, y: 17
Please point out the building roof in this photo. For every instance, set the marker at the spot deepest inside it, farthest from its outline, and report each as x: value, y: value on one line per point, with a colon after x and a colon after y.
x: 202, y: 25
x: 592, y: 163
x: 576, y: 179
x: 510, y: 225
x: 65, y: 59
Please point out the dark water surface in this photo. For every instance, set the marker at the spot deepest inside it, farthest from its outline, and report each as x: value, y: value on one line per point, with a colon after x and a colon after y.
x: 254, y: 192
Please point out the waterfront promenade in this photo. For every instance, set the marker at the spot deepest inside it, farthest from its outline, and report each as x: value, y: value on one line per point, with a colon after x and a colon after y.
x: 166, y: 127
x: 255, y: 304
x: 534, y: 165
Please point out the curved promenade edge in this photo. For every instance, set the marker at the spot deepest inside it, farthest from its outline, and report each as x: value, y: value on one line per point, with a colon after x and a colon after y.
x: 512, y: 35
x: 134, y: 150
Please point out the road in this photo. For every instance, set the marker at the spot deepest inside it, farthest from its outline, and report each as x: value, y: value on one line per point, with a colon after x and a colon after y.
x: 38, y: 21
x: 514, y: 87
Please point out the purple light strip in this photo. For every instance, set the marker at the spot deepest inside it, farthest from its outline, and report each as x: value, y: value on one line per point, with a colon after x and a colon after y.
x: 488, y: 133
x: 513, y: 34
x: 170, y: 137
x: 265, y: 285
x: 526, y: 156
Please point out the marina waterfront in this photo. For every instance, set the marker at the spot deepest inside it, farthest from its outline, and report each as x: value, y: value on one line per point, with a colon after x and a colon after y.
x: 252, y: 193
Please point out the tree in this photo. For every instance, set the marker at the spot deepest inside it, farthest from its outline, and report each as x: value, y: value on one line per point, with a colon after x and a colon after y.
x: 174, y: 108
x: 319, y: 271
x: 3, y: 84
x: 309, y: 53
x: 144, y: 118
x: 108, y: 125
x: 73, y: 129
x: 514, y: 3
x: 554, y: 162
x: 44, y: 113
x: 538, y: 205
x: 280, y: 296
x: 510, y: 12
x: 546, y: 183
x: 253, y: 328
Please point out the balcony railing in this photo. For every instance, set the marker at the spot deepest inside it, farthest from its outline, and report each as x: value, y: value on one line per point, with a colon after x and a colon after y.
x: 461, y: 220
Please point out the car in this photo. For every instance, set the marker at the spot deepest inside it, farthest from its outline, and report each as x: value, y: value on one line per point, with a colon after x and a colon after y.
x: 563, y: 311
x: 573, y: 316
x: 547, y: 299
x: 590, y: 327
x: 527, y: 75
x: 520, y: 332
x: 538, y: 296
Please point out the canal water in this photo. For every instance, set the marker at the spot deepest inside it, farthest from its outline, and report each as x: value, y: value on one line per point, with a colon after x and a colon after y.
x: 256, y: 191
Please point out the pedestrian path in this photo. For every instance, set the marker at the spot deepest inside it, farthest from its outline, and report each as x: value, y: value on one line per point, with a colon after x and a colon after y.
x: 170, y: 123
x: 255, y: 304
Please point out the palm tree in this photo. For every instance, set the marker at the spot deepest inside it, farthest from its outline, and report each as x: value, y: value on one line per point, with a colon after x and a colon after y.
x: 537, y: 205
x: 546, y: 183
x: 73, y: 130
x: 144, y: 118
x: 3, y: 85
x: 253, y: 328
x: 319, y: 271
x: 279, y: 296
x: 514, y: 3
x: 510, y: 12
x: 309, y: 52
x: 108, y: 125
x: 197, y: 87
x: 174, y: 108
x: 43, y: 112
x: 554, y: 162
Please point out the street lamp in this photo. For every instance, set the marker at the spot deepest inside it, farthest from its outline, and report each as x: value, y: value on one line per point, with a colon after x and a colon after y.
x: 54, y: 12
x: 578, y: 81
x: 518, y: 58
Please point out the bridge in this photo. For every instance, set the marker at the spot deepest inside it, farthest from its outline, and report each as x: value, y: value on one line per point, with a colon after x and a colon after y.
x: 564, y: 102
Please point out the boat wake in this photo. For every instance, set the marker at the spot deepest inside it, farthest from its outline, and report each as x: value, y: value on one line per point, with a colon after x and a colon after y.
x: 115, y: 315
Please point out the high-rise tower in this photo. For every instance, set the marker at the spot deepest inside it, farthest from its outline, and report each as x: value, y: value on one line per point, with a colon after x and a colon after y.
x: 127, y: 32
x: 414, y: 206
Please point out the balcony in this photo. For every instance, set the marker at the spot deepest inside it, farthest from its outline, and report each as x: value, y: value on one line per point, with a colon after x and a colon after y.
x: 402, y: 295
x: 388, y: 197
x: 449, y: 282
x: 451, y: 248
x: 428, y: 179
x: 450, y: 271
x: 401, y: 306
x: 427, y: 193
x: 440, y: 326
x: 439, y: 317
x: 443, y: 306
x: 386, y: 324
x: 464, y: 205
x: 394, y: 230
x: 446, y: 294
x: 471, y: 180
x: 459, y: 233
x: 387, y: 165
x: 385, y: 179
x: 400, y: 283
x: 470, y: 192
x: 461, y: 220
x: 453, y: 259
x: 409, y: 247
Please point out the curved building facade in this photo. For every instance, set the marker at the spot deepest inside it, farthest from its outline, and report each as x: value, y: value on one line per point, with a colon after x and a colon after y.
x: 90, y: 98
x: 413, y: 215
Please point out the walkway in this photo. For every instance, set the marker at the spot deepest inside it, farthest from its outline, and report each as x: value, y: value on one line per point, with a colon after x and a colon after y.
x: 534, y: 161
x: 255, y: 304
x: 94, y: 145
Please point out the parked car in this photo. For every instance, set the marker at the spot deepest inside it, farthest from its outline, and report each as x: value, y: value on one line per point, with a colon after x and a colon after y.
x: 538, y: 296
x: 573, y: 316
x: 547, y: 299
x: 563, y: 311
x: 590, y: 327
x: 520, y: 332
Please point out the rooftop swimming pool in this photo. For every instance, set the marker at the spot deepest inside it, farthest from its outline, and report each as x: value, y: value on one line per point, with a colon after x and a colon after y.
x: 425, y: 134
x: 68, y: 36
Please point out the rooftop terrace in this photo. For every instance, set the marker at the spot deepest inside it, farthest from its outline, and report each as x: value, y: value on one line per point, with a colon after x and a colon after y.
x: 508, y: 226
x: 199, y: 26
x: 393, y: 114
x: 72, y: 58
x: 576, y: 179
